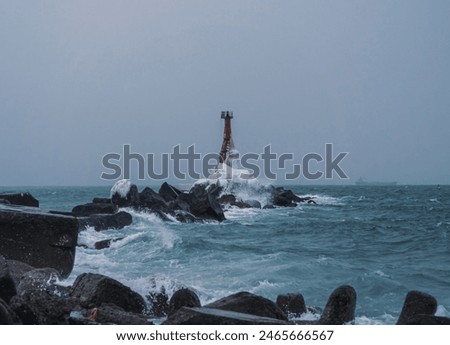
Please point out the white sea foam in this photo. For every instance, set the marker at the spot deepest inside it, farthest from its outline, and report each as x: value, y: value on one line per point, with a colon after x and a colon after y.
x: 121, y: 187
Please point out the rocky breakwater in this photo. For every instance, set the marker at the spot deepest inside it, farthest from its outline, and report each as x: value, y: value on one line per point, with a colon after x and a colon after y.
x: 35, y: 237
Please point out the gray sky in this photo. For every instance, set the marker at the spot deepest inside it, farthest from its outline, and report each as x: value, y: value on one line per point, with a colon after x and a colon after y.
x: 78, y: 79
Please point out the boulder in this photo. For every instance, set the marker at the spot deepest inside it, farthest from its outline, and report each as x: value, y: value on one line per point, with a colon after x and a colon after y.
x: 340, y: 308
x: 292, y: 304
x: 101, y: 201
x: 106, y: 243
x: 7, y: 284
x: 22, y: 199
x: 105, y: 221
x: 152, y: 201
x: 283, y: 197
x: 183, y: 298
x: 39, y: 239
x: 253, y: 203
x: 245, y: 302
x: 87, y: 210
x: 42, y: 279
x: 168, y: 192
x: 125, y: 194
x: 39, y: 308
x: 211, y: 316
x: 93, y: 290
x: 202, y: 202
x: 17, y: 269
x: 416, y: 303
x: 186, y: 217
x: 109, y: 313
x: 7, y: 316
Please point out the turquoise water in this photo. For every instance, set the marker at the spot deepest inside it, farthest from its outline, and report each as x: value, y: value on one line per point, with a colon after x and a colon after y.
x: 384, y: 241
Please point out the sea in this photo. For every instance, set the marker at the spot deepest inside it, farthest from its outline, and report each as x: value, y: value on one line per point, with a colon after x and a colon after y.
x: 382, y: 240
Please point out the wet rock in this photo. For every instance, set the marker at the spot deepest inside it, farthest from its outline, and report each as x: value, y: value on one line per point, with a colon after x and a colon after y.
x: 109, y: 313
x: 22, y: 199
x: 87, y: 210
x: 39, y: 308
x: 17, y: 269
x: 186, y: 217
x: 285, y: 198
x: 253, y: 203
x: 168, y: 192
x: 7, y: 316
x: 152, y: 201
x: 183, y: 298
x: 93, y: 290
x: 39, y: 239
x: 101, y: 201
x: 268, y: 207
x: 245, y: 302
x: 340, y: 307
x: 201, y: 202
x: 7, y: 284
x: 42, y: 279
x: 211, y: 316
x: 106, y: 243
x: 416, y: 303
x: 125, y: 194
x: 292, y: 304
x: 105, y: 221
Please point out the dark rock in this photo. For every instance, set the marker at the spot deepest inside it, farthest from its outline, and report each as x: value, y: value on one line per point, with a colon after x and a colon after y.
x: 94, y: 289
x: 245, y: 302
x: 227, y: 199
x: 105, y: 221
x: 38, y: 239
x: 422, y: 319
x: 106, y: 243
x: 87, y: 210
x: 283, y: 197
x: 17, y: 269
x: 211, y: 316
x: 101, y: 201
x: 42, y: 279
x: 340, y: 307
x: 183, y: 298
x: 40, y: 308
x: 186, y: 217
x: 130, y: 200
x: 109, y: 313
x: 253, y: 203
x: 292, y: 304
x: 152, y: 201
x: 5, y: 202
x: 268, y: 207
x: 201, y: 202
x: 416, y: 303
x: 7, y: 284
x: 168, y: 192
x: 22, y: 199
x: 7, y: 316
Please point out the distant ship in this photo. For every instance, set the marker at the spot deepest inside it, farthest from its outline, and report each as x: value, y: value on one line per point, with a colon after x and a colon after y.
x: 361, y: 182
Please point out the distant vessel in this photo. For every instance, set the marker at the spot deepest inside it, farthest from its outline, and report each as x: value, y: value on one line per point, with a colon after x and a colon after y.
x: 361, y: 182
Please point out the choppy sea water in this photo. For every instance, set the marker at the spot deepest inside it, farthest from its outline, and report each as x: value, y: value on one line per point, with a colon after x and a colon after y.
x: 384, y: 241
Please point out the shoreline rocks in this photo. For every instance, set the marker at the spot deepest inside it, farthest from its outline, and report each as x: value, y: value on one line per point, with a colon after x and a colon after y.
x: 37, y: 238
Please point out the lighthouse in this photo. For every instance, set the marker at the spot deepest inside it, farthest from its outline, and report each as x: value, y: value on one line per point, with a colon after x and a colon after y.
x: 228, y: 151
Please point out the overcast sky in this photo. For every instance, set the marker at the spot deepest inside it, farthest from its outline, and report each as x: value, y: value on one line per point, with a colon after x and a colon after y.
x: 79, y: 79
